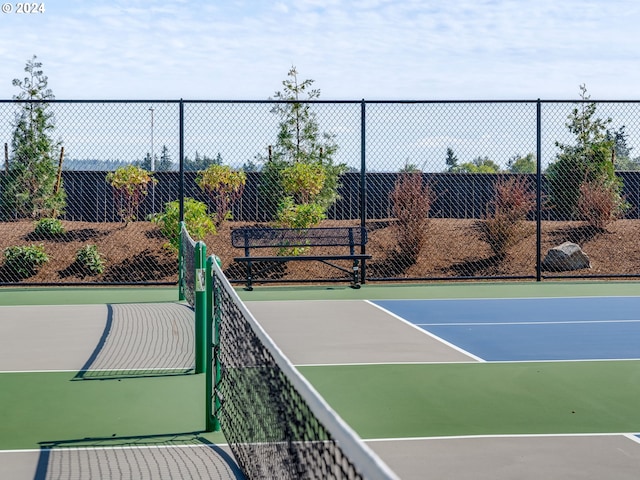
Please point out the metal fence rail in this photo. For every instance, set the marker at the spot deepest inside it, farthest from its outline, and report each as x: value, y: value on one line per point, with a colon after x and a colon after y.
x: 464, y: 152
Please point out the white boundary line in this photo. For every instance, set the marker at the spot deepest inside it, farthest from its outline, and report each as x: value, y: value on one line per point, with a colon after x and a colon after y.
x: 115, y: 447
x: 114, y: 370
x: 425, y: 332
x: 630, y: 436
x: 455, y: 299
x: 470, y: 324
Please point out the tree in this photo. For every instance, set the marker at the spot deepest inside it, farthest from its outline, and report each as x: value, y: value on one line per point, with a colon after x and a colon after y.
x: 622, y: 151
x: 526, y: 164
x: 250, y: 166
x: 201, y: 162
x: 451, y: 160
x: 589, y: 160
x: 479, y: 165
x: 32, y: 187
x: 299, y: 140
x: 162, y: 164
x: 409, y: 168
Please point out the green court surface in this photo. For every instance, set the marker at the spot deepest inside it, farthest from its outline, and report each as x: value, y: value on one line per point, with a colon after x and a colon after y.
x: 395, y: 400
x: 10, y: 296
x: 432, y: 400
x: 371, y: 291
x: 43, y: 407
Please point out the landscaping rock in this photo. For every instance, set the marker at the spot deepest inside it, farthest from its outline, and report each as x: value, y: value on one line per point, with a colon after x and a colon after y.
x: 565, y: 257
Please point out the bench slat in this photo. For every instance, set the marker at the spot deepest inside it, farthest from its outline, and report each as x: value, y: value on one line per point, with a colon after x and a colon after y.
x: 262, y: 237
x: 265, y: 237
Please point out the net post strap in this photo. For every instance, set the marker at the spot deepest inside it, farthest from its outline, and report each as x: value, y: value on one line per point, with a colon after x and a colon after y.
x: 366, y: 462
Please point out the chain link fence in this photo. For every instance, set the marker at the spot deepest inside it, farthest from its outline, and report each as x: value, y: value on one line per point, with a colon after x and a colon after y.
x: 91, y: 191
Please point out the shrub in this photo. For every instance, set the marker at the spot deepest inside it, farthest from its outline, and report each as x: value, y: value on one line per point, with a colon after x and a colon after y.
x: 600, y: 203
x: 89, y: 260
x: 303, y: 180
x: 130, y: 185
x: 502, y: 225
x: 49, y: 227
x: 25, y: 261
x: 412, y: 201
x: 224, y: 186
x: 303, y: 215
x: 197, y: 220
x: 293, y: 215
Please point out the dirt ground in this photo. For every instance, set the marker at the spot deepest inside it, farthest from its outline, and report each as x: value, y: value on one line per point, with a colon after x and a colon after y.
x: 135, y: 252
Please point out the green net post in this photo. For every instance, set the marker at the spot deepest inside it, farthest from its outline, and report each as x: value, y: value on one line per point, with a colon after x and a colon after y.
x: 200, y: 306
x: 214, y: 369
x: 181, y: 279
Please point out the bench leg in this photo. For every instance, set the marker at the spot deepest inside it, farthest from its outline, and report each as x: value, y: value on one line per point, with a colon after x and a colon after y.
x: 249, y: 285
x: 355, y: 282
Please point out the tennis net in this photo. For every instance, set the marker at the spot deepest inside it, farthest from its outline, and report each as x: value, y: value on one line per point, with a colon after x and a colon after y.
x: 275, y: 422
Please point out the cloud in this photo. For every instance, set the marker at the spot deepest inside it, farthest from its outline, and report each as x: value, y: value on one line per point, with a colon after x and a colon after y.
x: 362, y: 48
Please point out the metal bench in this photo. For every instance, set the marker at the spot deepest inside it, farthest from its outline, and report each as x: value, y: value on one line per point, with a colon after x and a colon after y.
x: 289, y: 238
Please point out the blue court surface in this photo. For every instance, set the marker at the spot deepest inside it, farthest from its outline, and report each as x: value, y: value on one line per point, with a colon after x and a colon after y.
x: 530, y: 329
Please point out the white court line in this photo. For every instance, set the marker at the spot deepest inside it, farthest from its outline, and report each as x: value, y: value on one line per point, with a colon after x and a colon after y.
x: 425, y: 332
x: 631, y: 436
x: 115, y: 447
x: 114, y: 370
x: 456, y: 299
x: 574, y: 360
x: 378, y: 364
x: 525, y: 323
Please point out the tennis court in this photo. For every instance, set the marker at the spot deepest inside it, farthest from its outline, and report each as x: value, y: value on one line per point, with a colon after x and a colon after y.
x: 540, y: 381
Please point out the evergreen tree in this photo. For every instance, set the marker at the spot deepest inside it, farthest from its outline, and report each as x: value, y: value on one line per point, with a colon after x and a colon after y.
x: 589, y: 160
x: 299, y: 140
x: 622, y: 160
x: 162, y: 164
x: 451, y: 160
x: 201, y: 162
x: 31, y: 187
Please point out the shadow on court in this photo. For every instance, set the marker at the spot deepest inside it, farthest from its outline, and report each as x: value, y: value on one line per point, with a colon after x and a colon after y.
x: 180, y: 455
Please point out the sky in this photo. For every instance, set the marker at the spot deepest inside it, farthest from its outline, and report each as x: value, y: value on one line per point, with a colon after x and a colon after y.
x: 352, y: 49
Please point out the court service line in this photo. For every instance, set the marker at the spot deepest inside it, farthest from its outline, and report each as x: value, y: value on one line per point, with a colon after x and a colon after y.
x: 114, y: 370
x: 630, y: 436
x: 425, y: 332
x: 560, y: 322
x: 377, y: 364
x: 116, y: 447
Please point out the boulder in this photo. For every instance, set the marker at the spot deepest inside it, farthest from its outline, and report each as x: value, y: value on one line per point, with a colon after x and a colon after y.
x: 565, y: 257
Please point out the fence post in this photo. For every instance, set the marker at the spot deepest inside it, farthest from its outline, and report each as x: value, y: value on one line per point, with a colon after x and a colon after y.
x: 181, y: 157
x: 363, y: 183
x: 538, y: 191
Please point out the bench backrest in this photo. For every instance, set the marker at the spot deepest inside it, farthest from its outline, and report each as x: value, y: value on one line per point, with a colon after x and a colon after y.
x: 263, y: 237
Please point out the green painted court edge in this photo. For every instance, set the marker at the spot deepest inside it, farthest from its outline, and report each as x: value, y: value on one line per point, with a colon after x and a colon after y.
x: 12, y: 296
x: 374, y: 291
x: 99, y: 295
x: 42, y: 407
x: 427, y: 400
